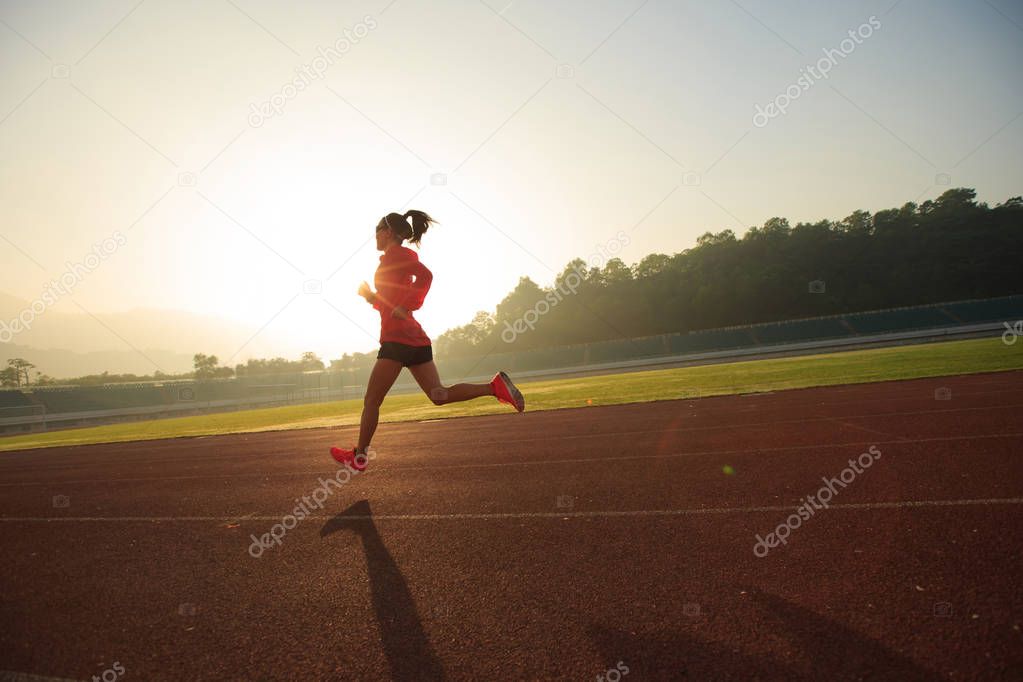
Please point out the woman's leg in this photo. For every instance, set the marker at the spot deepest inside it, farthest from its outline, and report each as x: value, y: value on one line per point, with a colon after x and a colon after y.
x: 383, y: 376
x: 428, y: 380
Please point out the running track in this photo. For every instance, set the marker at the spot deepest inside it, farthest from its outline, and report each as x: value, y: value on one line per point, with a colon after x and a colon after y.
x: 548, y: 545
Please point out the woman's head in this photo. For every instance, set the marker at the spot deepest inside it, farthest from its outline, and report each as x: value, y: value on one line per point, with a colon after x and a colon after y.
x: 396, y: 228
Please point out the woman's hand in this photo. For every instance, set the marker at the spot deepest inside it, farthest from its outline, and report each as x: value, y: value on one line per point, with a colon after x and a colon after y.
x: 366, y: 292
x: 400, y: 313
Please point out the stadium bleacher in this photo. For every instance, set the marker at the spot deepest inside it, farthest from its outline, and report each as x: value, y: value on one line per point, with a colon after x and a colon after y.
x: 87, y: 398
x: 801, y: 330
x: 713, y: 339
x: 562, y: 356
x: 627, y: 349
x: 13, y: 399
x: 969, y: 312
x: 899, y: 320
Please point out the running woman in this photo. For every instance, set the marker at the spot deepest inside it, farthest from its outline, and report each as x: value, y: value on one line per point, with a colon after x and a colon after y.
x: 401, y: 286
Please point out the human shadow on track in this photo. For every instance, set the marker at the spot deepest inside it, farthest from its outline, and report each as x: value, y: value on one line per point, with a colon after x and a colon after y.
x: 823, y: 650
x: 836, y: 650
x: 679, y: 656
x: 409, y: 653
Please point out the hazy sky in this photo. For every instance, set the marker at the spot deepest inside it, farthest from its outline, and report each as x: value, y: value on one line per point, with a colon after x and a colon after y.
x: 556, y: 124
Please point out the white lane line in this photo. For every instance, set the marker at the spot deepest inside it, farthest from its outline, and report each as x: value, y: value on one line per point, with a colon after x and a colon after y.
x: 28, y: 456
x: 616, y: 458
x: 239, y: 519
x: 697, y: 511
x: 869, y: 430
x: 744, y: 425
x: 57, y: 483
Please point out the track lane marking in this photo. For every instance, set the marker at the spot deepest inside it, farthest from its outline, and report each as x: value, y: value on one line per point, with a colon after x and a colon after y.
x: 169, y: 443
x: 702, y: 453
x: 695, y: 511
x: 745, y: 425
x: 904, y: 439
x: 485, y: 465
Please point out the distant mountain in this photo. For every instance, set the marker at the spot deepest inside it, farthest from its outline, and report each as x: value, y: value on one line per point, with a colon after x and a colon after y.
x: 64, y: 364
x: 139, y: 341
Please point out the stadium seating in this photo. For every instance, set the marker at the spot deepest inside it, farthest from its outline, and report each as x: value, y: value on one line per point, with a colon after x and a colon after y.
x: 86, y: 398
x: 800, y: 330
x: 1005, y: 309
x: 13, y: 399
x: 712, y: 340
x: 543, y: 358
x: 627, y: 349
x: 903, y: 319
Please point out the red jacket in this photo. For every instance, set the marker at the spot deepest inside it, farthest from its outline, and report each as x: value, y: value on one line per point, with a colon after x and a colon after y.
x: 401, y: 281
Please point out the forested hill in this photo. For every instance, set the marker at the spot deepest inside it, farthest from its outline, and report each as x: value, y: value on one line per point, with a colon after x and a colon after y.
x: 942, y: 250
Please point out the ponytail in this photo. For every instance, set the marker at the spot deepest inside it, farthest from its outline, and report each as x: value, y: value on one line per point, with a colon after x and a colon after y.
x: 420, y: 224
x: 400, y: 227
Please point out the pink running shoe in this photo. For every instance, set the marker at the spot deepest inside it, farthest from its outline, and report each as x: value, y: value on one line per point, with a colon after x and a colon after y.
x: 349, y: 457
x: 505, y: 391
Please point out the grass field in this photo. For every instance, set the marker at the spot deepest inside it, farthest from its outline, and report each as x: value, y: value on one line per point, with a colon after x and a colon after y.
x: 903, y: 362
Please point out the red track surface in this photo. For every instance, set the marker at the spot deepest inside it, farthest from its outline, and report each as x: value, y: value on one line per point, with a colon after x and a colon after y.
x: 452, y: 559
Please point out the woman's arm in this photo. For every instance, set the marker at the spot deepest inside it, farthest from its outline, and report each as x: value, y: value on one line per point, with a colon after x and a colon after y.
x: 419, y: 288
x: 379, y: 303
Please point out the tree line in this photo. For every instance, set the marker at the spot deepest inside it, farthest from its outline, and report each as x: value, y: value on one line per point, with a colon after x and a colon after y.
x: 205, y: 367
x: 944, y: 249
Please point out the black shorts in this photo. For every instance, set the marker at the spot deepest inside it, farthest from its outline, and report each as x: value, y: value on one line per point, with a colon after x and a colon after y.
x: 406, y: 355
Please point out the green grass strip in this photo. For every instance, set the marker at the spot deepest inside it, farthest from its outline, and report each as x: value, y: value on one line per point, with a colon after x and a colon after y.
x: 852, y: 367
